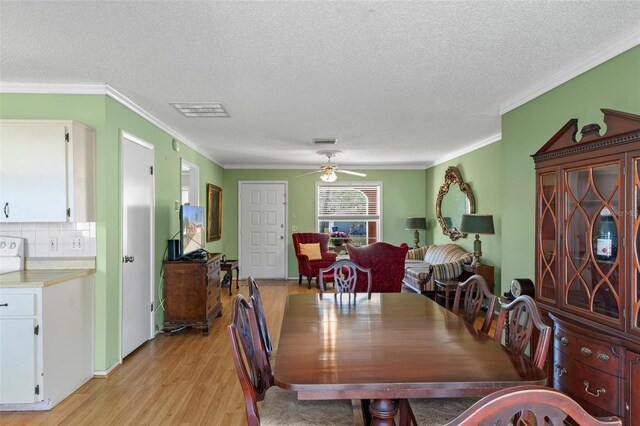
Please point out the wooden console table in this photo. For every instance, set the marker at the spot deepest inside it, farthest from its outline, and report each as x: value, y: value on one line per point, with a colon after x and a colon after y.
x: 229, y: 266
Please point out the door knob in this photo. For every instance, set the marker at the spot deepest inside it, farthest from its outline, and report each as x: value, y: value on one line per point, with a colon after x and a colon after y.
x: 128, y: 259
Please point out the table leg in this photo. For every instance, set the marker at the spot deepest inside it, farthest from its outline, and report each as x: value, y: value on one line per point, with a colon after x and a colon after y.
x: 446, y: 297
x: 231, y: 280
x: 382, y: 412
x: 237, y: 278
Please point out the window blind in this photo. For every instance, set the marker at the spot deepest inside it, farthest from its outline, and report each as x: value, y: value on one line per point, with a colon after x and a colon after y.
x: 349, y: 202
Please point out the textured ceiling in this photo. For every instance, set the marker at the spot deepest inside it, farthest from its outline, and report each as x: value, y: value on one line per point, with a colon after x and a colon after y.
x: 399, y: 84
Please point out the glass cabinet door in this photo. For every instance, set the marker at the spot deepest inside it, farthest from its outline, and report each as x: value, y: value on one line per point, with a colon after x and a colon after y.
x: 592, y: 224
x: 547, y: 247
x: 634, y: 213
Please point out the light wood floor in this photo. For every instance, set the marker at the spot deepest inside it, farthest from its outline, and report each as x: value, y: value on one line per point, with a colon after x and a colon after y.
x: 183, y: 379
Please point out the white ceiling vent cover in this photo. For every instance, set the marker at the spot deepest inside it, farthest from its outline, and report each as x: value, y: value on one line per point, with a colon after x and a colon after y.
x: 325, y: 141
x: 201, y: 109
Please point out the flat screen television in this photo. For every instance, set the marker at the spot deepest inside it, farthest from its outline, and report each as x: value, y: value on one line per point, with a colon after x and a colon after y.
x: 191, y: 229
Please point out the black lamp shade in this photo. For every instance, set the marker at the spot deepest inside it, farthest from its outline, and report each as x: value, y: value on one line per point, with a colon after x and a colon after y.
x: 415, y: 223
x: 477, y: 224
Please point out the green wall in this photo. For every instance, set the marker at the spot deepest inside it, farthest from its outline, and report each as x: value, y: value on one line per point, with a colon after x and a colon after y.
x: 109, y: 117
x: 615, y: 84
x: 403, y: 195
x: 502, y: 175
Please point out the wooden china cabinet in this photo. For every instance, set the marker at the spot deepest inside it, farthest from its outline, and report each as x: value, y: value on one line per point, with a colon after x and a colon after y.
x: 587, y: 262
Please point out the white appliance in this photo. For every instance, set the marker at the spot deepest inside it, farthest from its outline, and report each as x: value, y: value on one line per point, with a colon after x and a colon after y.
x: 11, y: 254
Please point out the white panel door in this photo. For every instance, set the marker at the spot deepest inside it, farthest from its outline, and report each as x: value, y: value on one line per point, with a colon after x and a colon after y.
x: 263, y: 229
x: 137, y: 243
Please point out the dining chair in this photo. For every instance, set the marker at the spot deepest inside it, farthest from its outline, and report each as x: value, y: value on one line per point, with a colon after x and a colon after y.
x: 344, y: 274
x: 516, y: 323
x: 545, y: 406
x: 278, y: 406
x: 475, y: 292
x: 256, y: 300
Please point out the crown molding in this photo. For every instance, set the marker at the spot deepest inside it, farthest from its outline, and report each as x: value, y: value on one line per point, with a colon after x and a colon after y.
x: 309, y: 166
x: 468, y: 149
x: 99, y: 89
x: 568, y: 73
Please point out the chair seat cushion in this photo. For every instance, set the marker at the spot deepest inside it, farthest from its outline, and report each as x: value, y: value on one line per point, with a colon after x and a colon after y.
x: 439, y: 411
x: 281, y: 407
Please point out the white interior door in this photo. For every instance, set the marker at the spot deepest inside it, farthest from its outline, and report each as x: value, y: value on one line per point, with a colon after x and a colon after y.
x: 263, y: 231
x: 137, y: 242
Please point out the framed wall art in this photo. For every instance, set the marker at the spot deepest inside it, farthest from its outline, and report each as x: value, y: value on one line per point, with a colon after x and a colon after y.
x: 214, y: 212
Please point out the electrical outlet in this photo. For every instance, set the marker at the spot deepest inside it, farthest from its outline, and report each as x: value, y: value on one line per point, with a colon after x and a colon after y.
x: 53, y: 243
x: 77, y: 243
x: 294, y: 228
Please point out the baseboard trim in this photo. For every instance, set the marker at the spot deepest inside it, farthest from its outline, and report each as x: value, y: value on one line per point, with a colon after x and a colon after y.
x: 105, y: 374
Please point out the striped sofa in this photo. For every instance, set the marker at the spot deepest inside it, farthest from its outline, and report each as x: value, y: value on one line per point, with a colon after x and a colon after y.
x: 441, y: 262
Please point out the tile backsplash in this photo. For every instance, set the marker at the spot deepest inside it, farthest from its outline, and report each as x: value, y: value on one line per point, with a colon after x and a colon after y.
x: 76, y: 239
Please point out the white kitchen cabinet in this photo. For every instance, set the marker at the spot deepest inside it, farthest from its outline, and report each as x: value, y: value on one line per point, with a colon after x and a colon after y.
x: 47, y: 171
x: 46, y: 343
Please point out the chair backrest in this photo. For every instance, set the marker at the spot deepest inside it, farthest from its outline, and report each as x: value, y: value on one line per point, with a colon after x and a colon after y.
x: 386, y: 262
x: 547, y: 405
x: 256, y: 301
x: 475, y: 291
x: 520, y: 317
x: 310, y: 237
x: 249, y: 356
x: 344, y: 274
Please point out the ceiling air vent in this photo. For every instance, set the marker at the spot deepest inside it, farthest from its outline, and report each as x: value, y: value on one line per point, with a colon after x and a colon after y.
x: 201, y: 109
x: 324, y: 141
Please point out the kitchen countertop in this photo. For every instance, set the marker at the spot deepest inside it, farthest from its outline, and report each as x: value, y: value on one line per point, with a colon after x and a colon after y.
x: 41, y: 277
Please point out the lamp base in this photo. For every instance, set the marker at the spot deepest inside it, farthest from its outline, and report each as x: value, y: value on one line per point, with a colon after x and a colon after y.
x: 416, y: 239
x: 477, y: 251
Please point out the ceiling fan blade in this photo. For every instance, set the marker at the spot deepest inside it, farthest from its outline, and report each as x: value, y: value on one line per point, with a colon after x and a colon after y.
x: 311, y: 172
x: 349, y: 172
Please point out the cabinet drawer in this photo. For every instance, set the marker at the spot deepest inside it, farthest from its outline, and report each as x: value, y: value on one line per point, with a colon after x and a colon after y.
x: 597, y: 388
x: 17, y: 304
x: 213, y: 266
x: 593, y: 353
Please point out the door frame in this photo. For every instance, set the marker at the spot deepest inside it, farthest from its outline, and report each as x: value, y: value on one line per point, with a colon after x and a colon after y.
x: 130, y: 137
x: 286, y: 221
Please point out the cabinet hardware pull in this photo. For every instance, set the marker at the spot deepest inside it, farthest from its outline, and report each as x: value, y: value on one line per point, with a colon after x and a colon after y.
x: 4, y: 304
x: 602, y: 357
x: 564, y: 341
x: 586, y: 351
x: 598, y: 391
x: 6, y: 210
x: 561, y: 370
x: 557, y: 336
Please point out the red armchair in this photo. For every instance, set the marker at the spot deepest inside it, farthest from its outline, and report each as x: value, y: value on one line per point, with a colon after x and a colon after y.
x: 310, y: 268
x: 386, y: 262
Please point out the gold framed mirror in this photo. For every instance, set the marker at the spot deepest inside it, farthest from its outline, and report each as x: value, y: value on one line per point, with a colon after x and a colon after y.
x: 455, y: 198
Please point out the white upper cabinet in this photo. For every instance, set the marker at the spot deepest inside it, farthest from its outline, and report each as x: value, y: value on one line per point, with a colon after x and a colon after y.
x: 47, y: 171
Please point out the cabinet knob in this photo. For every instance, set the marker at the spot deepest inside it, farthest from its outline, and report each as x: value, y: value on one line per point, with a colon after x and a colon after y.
x: 564, y: 341
x: 6, y: 210
x: 586, y: 351
x: 4, y: 304
x: 602, y: 357
x: 561, y: 370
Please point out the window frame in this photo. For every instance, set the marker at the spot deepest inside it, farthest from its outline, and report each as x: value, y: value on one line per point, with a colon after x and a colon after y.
x: 379, y: 184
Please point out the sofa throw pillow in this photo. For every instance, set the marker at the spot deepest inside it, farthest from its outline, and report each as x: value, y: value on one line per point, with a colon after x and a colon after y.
x: 448, y: 271
x: 311, y: 250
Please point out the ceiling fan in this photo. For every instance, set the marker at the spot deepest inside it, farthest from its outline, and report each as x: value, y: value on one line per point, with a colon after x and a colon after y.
x: 329, y: 170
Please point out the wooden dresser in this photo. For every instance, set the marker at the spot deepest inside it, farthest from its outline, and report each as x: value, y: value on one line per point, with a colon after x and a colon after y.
x: 192, y: 293
x: 587, y: 269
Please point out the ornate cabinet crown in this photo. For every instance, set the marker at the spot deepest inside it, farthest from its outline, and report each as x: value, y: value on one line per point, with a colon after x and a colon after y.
x: 587, y: 251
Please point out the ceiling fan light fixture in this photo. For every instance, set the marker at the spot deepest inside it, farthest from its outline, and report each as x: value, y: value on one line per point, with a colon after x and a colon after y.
x: 328, y: 176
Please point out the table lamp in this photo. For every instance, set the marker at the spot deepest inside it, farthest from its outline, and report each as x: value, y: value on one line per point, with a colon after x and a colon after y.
x: 416, y: 224
x: 477, y: 224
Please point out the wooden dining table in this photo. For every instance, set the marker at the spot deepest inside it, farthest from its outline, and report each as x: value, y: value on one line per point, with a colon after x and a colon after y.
x: 393, y: 346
